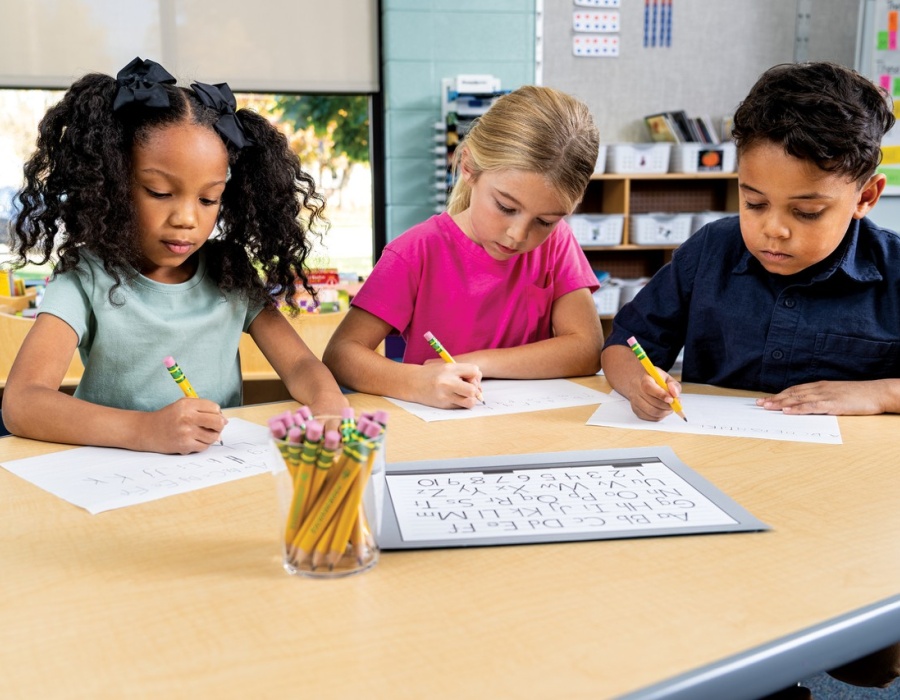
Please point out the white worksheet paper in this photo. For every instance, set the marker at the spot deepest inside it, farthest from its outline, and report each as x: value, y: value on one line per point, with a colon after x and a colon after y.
x: 733, y: 416
x: 502, y: 396
x: 103, y: 478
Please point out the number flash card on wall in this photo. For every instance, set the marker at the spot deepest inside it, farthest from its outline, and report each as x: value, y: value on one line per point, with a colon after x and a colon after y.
x: 595, y: 21
x: 597, y: 3
x: 595, y: 46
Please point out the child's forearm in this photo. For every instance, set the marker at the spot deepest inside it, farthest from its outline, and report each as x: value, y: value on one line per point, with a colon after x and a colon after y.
x: 360, y: 368
x: 313, y: 385
x: 563, y: 356
x: 622, y: 370
x: 40, y: 413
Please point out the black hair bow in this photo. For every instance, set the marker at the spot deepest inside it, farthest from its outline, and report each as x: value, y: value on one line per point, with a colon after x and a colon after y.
x: 221, y: 99
x: 142, y: 82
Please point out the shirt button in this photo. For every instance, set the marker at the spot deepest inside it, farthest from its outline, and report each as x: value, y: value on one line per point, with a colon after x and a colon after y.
x: 790, y: 303
x: 777, y: 355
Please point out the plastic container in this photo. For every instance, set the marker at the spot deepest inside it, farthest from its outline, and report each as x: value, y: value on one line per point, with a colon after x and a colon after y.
x: 701, y: 218
x: 629, y: 288
x: 600, y: 167
x: 638, y: 157
x: 606, y: 299
x: 660, y: 228
x: 703, y: 157
x: 330, y: 535
x: 597, y: 229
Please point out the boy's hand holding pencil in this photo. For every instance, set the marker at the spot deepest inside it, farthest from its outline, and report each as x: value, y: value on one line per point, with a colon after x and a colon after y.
x: 655, y: 387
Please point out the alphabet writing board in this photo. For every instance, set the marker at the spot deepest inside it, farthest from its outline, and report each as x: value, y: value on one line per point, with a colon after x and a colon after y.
x: 552, y: 497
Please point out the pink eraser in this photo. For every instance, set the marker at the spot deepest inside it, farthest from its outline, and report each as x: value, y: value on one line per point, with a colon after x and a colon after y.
x: 429, y: 335
x: 169, y: 361
x: 381, y: 417
x: 632, y: 340
x: 347, y: 412
x: 332, y: 439
x: 314, y: 430
x: 295, y: 435
x: 371, y: 430
x: 305, y: 413
x: 276, y: 425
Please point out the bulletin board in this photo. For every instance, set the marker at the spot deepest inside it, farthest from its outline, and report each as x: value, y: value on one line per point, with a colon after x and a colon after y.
x: 879, y: 59
x: 552, y: 497
x: 714, y: 54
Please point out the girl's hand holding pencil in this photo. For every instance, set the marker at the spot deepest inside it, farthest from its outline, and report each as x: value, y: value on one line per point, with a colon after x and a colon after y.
x: 190, y: 424
x: 457, y: 385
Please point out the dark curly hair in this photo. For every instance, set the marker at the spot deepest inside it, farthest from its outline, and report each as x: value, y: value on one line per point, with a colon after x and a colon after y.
x: 77, y: 193
x: 820, y: 112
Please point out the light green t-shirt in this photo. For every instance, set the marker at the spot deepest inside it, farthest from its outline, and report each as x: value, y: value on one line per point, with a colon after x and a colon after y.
x: 123, y: 347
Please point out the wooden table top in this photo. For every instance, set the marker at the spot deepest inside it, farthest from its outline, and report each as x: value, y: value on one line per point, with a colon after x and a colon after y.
x: 185, y: 597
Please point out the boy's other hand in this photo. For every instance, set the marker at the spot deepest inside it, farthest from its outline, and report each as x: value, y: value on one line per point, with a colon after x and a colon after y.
x: 830, y: 398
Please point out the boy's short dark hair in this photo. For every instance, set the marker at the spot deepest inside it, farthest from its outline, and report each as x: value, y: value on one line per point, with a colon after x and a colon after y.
x: 820, y: 112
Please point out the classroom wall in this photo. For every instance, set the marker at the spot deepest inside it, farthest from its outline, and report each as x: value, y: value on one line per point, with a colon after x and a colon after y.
x: 718, y: 49
x: 424, y: 41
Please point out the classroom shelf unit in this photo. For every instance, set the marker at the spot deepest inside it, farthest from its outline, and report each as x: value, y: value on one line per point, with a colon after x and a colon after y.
x: 629, y: 194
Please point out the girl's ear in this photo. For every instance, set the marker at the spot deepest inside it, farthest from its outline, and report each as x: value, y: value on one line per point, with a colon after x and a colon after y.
x: 869, y: 195
x: 465, y: 166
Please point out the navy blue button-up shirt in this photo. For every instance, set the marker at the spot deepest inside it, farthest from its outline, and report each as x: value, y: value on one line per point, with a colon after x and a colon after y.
x: 744, y: 328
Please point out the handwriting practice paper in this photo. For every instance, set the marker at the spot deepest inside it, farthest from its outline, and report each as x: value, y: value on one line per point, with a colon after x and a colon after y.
x: 734, y: 416
x: 103, y: 478
x: 502, y: 396
x: 552, y: 497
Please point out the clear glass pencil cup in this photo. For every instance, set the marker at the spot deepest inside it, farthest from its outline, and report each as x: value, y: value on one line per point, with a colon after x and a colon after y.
x: 329, y: 503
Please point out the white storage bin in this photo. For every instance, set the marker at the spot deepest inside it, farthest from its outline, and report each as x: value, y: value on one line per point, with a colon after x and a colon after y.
x: 600, y: 167
x: 629, y: 288
x: 606, y: 299
x: 638, y: 157
x: 701, y: 218
x: 597, y: 229
x: 703, y: 157
x: 660, y: 229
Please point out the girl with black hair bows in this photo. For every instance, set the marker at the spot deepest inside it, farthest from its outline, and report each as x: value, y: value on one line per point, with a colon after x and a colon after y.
x: 175, y: 222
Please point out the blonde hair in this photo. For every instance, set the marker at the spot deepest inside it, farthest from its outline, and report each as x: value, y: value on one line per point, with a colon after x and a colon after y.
x: 532, y: 129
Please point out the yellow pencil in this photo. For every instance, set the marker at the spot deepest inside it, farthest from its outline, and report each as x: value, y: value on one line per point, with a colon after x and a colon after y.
x: 651, y: 370
x: 179, y: 377
x: 445, y: 356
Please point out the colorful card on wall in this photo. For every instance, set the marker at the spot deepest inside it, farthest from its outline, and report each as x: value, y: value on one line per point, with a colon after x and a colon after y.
x: 591, y: 46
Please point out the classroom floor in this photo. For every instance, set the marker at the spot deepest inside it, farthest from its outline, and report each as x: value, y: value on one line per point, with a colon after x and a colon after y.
x: 824, y: 687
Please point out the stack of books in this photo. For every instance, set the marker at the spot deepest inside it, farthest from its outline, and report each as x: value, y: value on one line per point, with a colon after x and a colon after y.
x: 678, y: 127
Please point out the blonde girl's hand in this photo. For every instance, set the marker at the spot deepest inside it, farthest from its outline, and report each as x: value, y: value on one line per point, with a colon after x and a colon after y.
x: 451, y: 385
x: 651, y: 402
x: 184, y: 427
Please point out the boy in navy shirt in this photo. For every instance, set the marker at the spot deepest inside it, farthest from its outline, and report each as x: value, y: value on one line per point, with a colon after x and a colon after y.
x: 799, y: 295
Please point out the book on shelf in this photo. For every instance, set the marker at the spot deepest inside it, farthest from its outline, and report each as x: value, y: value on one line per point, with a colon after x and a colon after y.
x: 677, y: 127
x: 662, y: 128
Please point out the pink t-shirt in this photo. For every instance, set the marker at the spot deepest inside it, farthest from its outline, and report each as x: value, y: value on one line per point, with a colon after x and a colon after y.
x: 434, y: 278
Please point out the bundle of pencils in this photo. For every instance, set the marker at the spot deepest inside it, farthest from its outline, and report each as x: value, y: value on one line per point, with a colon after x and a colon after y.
x: 328, y: 470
